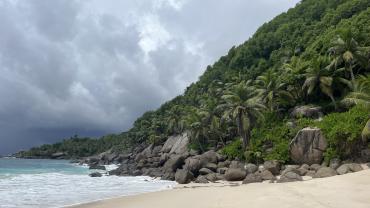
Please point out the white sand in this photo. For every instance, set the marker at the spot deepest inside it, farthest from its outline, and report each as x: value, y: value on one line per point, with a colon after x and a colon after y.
x: 347, y: 191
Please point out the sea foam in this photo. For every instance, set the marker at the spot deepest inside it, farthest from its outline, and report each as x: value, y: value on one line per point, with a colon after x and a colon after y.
x: 48, y: 190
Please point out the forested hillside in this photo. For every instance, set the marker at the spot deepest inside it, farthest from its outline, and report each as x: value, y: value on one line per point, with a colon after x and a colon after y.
x: 315, y: 54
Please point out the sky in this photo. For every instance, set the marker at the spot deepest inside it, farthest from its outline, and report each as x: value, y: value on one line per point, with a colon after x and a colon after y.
x: 91, y: 67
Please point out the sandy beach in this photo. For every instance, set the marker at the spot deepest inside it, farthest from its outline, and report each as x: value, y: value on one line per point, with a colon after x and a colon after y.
x: 351, y: 190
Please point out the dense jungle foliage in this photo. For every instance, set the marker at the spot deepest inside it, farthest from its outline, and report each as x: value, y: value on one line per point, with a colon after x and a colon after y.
x: 316, y: 53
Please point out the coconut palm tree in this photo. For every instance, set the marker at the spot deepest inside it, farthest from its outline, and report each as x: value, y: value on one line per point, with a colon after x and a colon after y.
x: 360, y: 92
x: 272, y: 90
x: 244, y: 106
x: 346, y: 51
x: 198, y: 130
x: 175, y: 121
x: 319, y: 76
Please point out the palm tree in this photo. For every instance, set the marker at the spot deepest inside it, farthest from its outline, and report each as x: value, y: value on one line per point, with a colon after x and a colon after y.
x: 347, y: 51
x: 272, y: 90
x: 244, y: 106
x: 198, y: 130
x: 293, y: 75
x: 318, y: 75
x: 360, y: 92
x: 211, y: 118
x: 175, y: 121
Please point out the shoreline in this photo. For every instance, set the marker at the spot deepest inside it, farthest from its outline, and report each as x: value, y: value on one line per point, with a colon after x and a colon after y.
x: 350, y: 190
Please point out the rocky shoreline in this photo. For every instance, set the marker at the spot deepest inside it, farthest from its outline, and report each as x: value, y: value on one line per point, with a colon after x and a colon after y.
x: 173, y: 161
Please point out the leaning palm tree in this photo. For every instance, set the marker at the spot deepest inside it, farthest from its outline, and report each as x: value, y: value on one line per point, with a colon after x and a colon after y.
x: 243, y: 105
x: 318, y: 76
x: 346, y: 51
x: 272, y: 90
x: 360, y: 92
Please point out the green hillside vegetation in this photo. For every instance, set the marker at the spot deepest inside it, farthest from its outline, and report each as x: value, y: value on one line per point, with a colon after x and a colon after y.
x: 317, y: 53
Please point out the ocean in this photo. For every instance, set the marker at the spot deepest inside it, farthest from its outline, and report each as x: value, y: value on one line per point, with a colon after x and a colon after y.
x: 57, y: 183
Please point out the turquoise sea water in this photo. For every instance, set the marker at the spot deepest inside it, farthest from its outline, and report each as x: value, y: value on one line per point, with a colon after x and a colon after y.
x: 58, y: 183
x: 20, y: 166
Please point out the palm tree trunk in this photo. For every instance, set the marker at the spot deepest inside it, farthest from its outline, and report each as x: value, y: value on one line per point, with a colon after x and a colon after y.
x: 241, y: 131
x: 333, y: 101
x: 352, y: 74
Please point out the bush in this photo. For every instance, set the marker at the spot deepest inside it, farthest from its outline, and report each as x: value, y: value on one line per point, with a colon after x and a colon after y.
x: 234, y: 150
x: 342, y: 131
x: 272, y: 138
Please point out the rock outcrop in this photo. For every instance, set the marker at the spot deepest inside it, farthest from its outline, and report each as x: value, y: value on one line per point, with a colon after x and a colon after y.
x: 308, y: 146
x: 176, y: 144
x: 173, y: 161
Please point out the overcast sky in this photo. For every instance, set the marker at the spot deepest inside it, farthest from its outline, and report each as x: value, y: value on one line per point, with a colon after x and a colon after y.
x: 91, y: 67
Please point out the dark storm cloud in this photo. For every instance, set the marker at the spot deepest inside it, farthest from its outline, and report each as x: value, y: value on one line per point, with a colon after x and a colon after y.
x: 91, y: 67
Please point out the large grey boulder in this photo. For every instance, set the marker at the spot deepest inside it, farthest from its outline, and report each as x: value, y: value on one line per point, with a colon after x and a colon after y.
x: 169, y: 176
x: 315, y: 167
x: 252, y: 178
x: 349, y: 168
x: 205, y: 171
x: 177, y: 144
x: 175, y: 162
x: 235, y: 174
x: 156, y: 150
x: 291, y: 169
x: 343, y: 169
x: 181, y: 144
x: 211, y: 177
x: 289, y: 176
x: 164, y: 157
x: 183, y: 176
x: 308, y: 146
x: 251, y: 168
x: 95, y: 174
x: 192, y: 164
x: 201, y: 179
x: 266, y: 175
x: 224, y: 164
x: 169, y: 143
x: 303, y: 169
x: 209, y: 157
x: 273, y: 166
x: 211, y: 166
x: 307, y: 111
x: 325, y: 172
